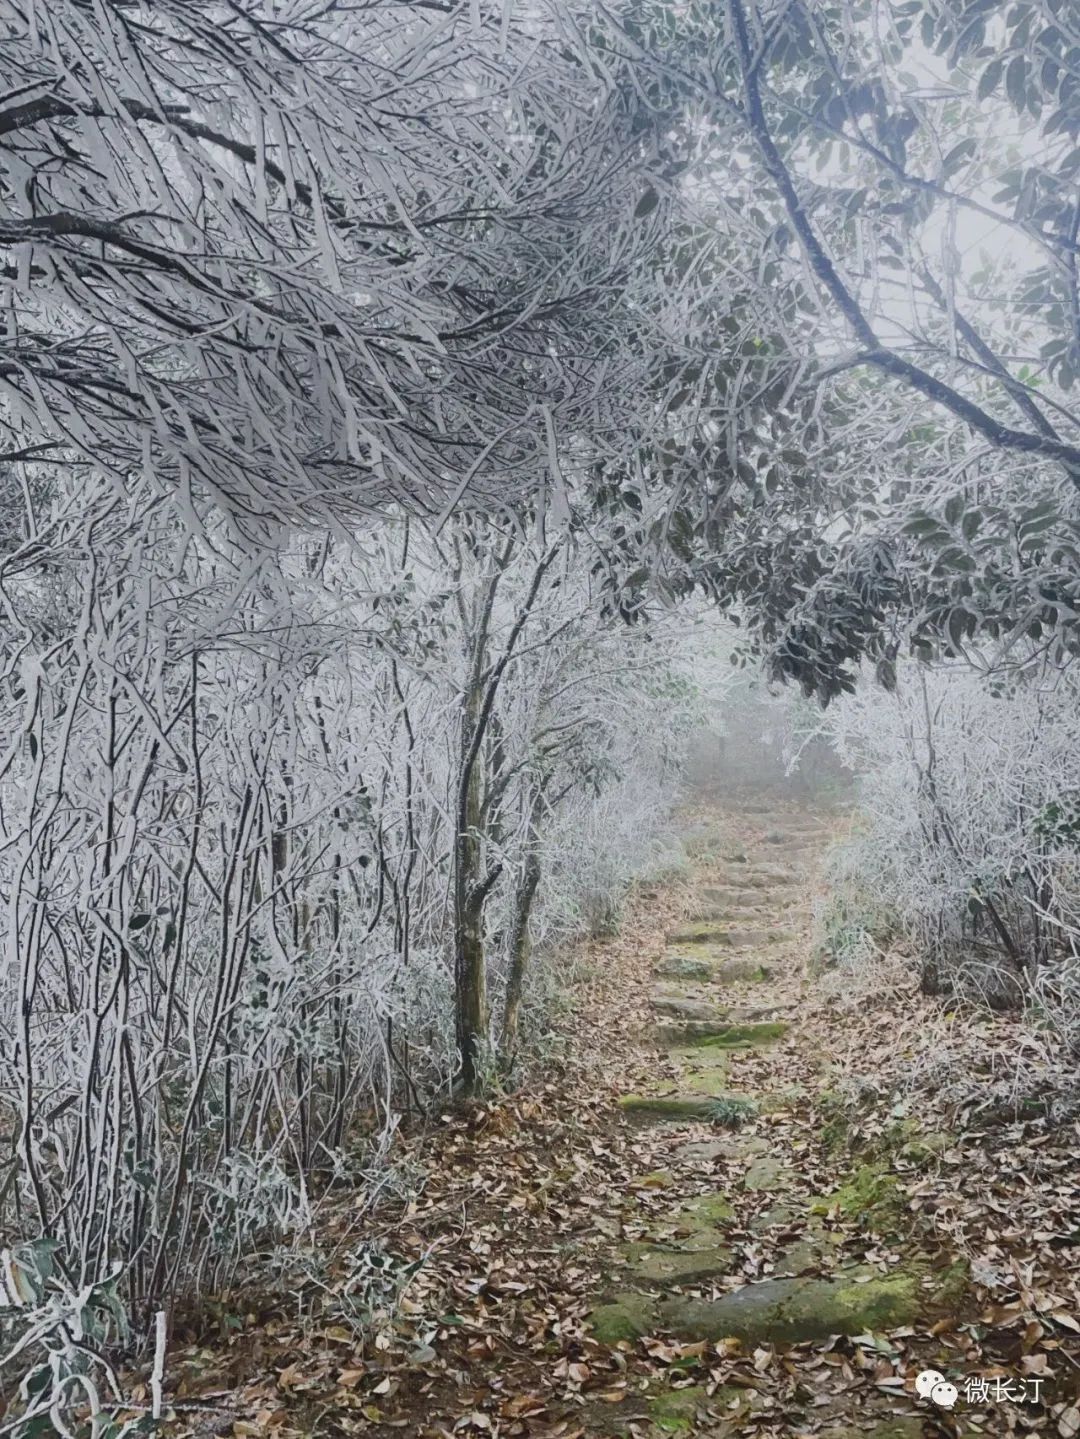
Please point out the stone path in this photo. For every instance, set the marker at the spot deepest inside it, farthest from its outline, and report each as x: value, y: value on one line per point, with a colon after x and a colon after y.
x: 732, y: 1070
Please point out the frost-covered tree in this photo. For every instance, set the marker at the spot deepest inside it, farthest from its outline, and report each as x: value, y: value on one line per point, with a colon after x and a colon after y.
x: 298, y: 262
x: 881, y: 198
x: 232, y: 854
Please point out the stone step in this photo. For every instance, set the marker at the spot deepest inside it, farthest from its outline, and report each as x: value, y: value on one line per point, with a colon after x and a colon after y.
x: 740, y: 971
x: 668, y: 1106
x: 678, y: 1007
x: 722, y: 1110
x: 694, y: 973
x: 705, y: 932
x: 762, y: 913
x: 762, y: 877
x: 776, y: 1311
x: 790, y: 851
x: 733, y: 1035
x: 685, y: 966
x: 734, y: 897
x: 661, y: 1266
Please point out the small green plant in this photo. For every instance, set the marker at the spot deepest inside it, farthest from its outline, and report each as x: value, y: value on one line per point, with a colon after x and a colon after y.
x: 731, y: 1112
x: 53, y: 1343
x: 851, y: 926
x: 1057, y: 824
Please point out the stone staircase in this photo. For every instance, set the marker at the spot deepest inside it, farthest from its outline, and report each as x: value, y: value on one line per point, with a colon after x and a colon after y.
x: 725, y: 1001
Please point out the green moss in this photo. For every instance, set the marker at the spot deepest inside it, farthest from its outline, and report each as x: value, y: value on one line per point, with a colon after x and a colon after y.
x: 950, y: 1287
x: 733, y: 1036
x: 925, y: 1149
x: 871, y: 1193
x: 706, y: 1080
x: 627, y: 1317
x: 682, y: 966
x: 668, y: 1106
x: 836, y: 1130
x: 795, y: 1310
x: 673, y: 1412
x: 702, y: 931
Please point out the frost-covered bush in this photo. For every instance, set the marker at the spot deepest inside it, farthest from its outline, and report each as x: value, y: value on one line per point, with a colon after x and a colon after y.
x: 969, y: 793
x: 236, y: 804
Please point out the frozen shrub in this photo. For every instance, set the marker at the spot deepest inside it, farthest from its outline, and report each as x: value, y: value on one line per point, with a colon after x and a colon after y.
x: 967, y: 791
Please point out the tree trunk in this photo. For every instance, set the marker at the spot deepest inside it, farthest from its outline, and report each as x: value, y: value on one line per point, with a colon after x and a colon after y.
x: 519, y: 957
x: 470, y: 979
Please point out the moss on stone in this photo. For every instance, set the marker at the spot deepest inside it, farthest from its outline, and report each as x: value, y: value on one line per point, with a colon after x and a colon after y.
x: 733, y: 1036
x: 871, y: 1194
x: 667, y: 1106
x: 709, y: 932
x: 795, y: 1310
x: 673, y: 1412
x: 706, y: 1211
x: 626, y: 1317
x: 712, y: 1082
x: 682, y: 966
x: 702, y: 931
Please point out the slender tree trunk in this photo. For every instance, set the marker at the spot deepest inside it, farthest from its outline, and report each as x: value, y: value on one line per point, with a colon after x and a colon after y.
x: 470, y: 978
x: 520, y: 947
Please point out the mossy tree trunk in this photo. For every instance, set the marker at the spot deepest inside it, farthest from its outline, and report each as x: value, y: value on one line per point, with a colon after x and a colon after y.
x: 473, y: 877
x: 520, y: 943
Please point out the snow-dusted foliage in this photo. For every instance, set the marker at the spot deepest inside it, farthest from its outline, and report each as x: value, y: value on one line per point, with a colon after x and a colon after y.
x: 969, y: 792
x: 237, y: 906
x: 303, y: 260
x: 299, y: 738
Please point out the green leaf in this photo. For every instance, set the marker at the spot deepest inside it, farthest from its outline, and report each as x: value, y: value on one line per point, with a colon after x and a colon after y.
x: 957, y: 155
x: 647, y: 204
x: 990, y: 78
x: 959, y: 622
x: 1016, y: 81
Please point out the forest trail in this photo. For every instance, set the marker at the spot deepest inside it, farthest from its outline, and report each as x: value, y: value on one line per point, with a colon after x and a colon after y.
x: 677, y: 1232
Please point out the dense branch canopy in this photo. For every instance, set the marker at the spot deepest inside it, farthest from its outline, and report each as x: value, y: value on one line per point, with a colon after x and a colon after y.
x: 305, y: 260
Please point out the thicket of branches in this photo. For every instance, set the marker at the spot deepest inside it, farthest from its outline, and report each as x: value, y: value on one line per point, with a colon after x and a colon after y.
x: 277, y: 841
x: 321, y: 706
x: 971, y: 844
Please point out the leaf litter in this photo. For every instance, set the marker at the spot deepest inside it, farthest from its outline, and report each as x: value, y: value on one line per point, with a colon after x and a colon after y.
x: 524, y: 1203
